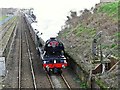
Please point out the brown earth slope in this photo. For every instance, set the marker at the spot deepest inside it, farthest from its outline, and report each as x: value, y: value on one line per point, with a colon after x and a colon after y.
x: 79, y: 32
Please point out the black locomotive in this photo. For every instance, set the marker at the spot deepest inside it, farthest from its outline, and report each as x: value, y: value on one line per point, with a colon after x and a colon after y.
x: 54, y: 59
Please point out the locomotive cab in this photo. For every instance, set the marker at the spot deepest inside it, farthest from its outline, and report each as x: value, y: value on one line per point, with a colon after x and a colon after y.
x: 53, y: 47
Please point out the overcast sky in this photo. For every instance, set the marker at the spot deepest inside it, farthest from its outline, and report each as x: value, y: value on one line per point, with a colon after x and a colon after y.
x: 51, y: 14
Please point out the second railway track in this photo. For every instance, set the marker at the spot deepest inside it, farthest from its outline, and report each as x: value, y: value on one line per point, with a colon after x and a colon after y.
x: 20, y: 59
x: 26, y: 71
x: 31, y: 63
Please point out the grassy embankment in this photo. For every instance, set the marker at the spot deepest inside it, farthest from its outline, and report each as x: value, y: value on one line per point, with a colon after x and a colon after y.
x: 111, y: 9
x: 3, y: 17
x: 7, y: 35
x: 85, y: 35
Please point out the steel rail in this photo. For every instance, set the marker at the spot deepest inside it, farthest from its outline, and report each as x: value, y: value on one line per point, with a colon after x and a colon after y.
x: 14, y: 35
x: 67, y: 84
x: 31, y: 63
x: 20, y: 60
x: 13, y: 38
x: 51, y: 83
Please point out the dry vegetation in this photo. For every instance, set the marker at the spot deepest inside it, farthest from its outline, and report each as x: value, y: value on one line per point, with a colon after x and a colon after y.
x: 78, y: 32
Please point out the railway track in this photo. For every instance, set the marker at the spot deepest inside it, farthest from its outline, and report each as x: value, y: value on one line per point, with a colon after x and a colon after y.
x: 5, y: 35
x: 31, y: 63
x: 67, y: 84
x: 6, y: 27
x: 5, y: 24
x: 29, y: 75
x: 20, y: 59
x: 54, y: 84
x: 21, y: 70
x: 50, y: 80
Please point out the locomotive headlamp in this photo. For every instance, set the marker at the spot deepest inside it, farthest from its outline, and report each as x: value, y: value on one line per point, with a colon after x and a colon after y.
x: 65, y: 61
x: 63, y: 66
x: 54, y: 61
x: 44, y: 62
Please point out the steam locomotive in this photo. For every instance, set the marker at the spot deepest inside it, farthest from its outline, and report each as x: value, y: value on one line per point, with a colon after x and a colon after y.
x: 53, y: 58
x: 51, y: 51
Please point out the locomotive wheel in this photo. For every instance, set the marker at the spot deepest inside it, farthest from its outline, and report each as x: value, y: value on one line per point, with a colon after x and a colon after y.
x: 49, y: 72
x: 60, y: 71
x: 57, y: 71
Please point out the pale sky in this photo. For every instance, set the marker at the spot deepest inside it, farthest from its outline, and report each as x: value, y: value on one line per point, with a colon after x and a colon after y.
x: 51, y: 14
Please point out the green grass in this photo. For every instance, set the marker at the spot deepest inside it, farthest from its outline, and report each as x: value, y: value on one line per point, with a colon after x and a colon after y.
x: 117, y: 34
x: 3, y: 17
x: 83, y: 85
x: 12, y: 19
x: 119, y: 10
x: 5, y: 39
x: 109, y: 8
x: 78, y: 30
x: 102, y: 85
x: 66, y: 32
x: 84, y: 30
x: 113, y: 45
x: 116, y: 37
x: 104, y: 46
